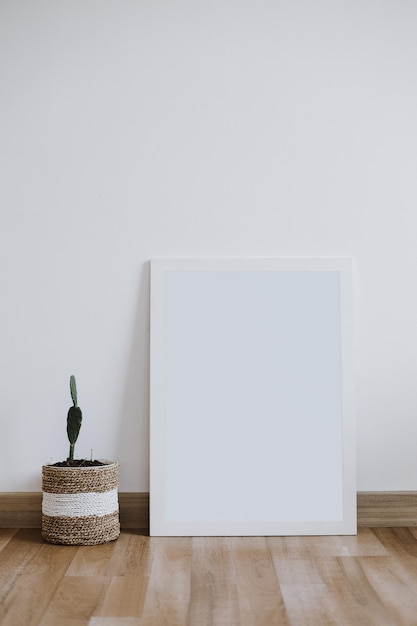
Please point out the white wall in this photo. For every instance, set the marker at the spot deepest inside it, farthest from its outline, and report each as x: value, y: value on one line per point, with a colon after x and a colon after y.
x: 133, y: 129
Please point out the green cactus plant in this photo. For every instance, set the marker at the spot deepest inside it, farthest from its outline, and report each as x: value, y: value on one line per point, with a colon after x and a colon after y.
x: 74, y: 419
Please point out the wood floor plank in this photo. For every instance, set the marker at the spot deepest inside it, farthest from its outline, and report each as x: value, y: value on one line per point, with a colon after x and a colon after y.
x: 114, y: 621
x: 365, y: 543
x: 306, y: 596
x: 364, y: 580
x: 394, y: 580
x: 32, y: 591
x: 399, y: 541
x: 5, y: 535
x: 213, y: 594
x: 291, y: 570
x: 124, y: 597
x: 128, y: 571
x: 352, y: 595
x: 260, y: 599
x: 92, y: 560
x: 14, y: 557
x: 74, y: 601
x: 310, y: 605
x: 168, y: 593
x: 328, y: 590
x: 305, y: 547
x: 131, y: 555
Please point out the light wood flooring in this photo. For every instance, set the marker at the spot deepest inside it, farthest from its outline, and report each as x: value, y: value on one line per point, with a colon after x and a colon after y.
x: 138, y: 580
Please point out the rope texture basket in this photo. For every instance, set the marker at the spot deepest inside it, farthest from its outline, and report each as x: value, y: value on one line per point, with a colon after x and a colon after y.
x: 80, y: 504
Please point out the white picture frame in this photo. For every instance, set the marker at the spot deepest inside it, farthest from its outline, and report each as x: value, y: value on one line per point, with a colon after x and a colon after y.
x: 252, y: 426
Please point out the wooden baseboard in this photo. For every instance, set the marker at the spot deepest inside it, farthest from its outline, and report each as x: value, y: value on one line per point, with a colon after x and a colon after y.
x: 375, y: 508
x: 23, y: 510
x: 387, y: 508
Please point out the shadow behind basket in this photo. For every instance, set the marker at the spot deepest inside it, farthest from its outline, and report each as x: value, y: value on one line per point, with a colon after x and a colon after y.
x: 80, y: 504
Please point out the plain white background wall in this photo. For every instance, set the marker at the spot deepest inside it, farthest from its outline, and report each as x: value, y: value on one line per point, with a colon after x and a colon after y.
x: 145, y: 128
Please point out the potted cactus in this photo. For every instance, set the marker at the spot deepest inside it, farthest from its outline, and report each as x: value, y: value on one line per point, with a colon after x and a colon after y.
x: 74, y: 419
x: 79, y: 497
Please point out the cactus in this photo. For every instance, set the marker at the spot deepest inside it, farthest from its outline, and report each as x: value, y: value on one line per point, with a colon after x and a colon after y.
x: 74, y: 419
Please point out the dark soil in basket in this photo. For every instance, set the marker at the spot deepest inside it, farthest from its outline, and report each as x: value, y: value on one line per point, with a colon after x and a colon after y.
x: 78, y: 463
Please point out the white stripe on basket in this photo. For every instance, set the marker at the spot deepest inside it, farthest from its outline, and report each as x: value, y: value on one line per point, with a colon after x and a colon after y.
x: 79, y: 504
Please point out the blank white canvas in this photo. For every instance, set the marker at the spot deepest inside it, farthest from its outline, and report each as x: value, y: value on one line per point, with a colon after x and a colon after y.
x: 252, y: 428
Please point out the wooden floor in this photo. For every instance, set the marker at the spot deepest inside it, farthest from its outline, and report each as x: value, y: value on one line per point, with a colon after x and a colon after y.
x: 370, y: 578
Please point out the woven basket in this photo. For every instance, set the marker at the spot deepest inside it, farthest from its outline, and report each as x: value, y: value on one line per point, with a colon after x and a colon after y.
x: 80, y: 504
